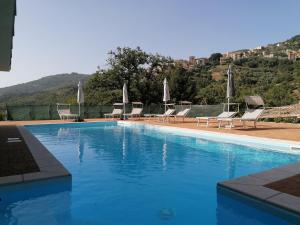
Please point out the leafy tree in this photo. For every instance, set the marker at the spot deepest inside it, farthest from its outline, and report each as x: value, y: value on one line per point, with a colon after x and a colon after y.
x: 143, y: 72
x: 214, y: 59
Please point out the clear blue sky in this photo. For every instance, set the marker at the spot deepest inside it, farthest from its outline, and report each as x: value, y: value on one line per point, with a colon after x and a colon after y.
x: 62, y: 36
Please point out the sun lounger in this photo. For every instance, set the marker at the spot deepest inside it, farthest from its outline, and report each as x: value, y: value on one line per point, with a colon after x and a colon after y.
x: 181, y: 114
x: 208, y: 119
x: 116, y: 113
x: 136, y: 112
x: 64, y: 112
x: 255, y: 108
x: 250, y: 115
x: 166, y: 115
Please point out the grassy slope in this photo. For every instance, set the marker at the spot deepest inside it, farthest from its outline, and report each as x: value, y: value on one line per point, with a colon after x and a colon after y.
x: 47, y: 90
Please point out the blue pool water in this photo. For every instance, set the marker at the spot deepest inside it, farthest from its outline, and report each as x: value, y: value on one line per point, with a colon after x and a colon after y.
x: 131, y: 175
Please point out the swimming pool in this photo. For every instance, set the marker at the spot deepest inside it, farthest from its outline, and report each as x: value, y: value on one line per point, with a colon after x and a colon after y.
x: 130, y: 174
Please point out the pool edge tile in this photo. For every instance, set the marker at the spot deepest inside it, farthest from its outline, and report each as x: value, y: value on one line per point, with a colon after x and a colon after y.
x: 255, y: 191
x: 14, y: 179
x: 286, y: 201
x: 253, y: 186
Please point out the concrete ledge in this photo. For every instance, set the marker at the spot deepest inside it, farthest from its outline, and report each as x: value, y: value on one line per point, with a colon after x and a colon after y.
x: 254, y: 186
x: 49, y: 166
x: 246, y: 140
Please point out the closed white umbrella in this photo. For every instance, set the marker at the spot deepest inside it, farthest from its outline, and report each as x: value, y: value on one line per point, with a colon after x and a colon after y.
x: 125, y: 97
x: 230, y: 85
x: 166, y: 96
x: 80, y: 95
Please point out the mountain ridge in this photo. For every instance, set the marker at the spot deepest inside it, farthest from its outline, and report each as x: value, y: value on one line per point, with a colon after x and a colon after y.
x: 19, y: 93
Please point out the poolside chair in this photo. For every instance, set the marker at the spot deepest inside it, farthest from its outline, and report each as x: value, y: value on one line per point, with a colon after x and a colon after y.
x: 208, y: 119
x: 64, y: 112
x: 186, y: 107
x: 117, y: 111
x: 166, y: 115
x: 252, y: 115
x: 136, y: 112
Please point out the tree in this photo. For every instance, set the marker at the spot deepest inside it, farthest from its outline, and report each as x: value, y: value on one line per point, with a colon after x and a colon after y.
x: 214, y: 59
x: 143, y: 73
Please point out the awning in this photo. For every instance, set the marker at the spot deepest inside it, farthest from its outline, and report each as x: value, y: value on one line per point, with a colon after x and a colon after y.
x: 7, y: 22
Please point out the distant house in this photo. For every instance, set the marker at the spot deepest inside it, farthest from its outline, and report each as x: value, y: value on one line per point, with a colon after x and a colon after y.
x: 256, y: 51
x: 182, y: 62
x: 232, y: 56
x: 192, y: 62
x: 293, y: 55
x: 7, y: 22
x: 267, y: 54
x: 225, y: 60
x: 201, y: 61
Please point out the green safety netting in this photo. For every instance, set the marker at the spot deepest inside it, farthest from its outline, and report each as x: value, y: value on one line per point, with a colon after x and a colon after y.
x: 49, y: 112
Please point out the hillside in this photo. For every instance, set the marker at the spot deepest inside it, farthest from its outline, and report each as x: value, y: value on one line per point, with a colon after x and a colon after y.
x: 46, y: 90
x: 267, y: 71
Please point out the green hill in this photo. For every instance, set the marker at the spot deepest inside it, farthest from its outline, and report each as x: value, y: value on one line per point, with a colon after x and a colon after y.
x: 47, y: 90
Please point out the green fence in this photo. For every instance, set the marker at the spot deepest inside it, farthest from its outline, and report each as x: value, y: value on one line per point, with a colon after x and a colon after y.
x: 49, y: 112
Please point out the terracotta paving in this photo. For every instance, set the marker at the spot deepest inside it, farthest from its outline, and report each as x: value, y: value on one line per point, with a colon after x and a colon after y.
x: 284, y: 131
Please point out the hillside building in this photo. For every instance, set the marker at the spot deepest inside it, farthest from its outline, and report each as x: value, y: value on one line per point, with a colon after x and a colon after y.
x: 192, y: 62
x: 232, y: 56
x: 293, y: 55
x: 267, y: 55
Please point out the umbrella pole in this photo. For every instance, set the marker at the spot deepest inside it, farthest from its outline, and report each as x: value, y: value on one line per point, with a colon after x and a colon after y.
x: 228, y: 99
x: 165, y: 107
x: 124, y: 109
x: 79, y: 109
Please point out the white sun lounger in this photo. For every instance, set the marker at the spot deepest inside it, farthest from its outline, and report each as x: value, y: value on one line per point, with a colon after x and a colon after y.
x: 207, y: 119
x: 136, y: 112
x: 64, y: 112
x: 181, y: 114
x: 116, y: 113
x: 166, y: 115
x: 249, y: 115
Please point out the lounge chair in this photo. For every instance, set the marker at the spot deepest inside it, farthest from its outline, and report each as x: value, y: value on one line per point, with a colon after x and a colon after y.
x: 64, y: 112
x: 251, y: 115
x: 186, y: 107
x: 208, y: 119
x: 116, y: 113
x: 166, y: 115
x: 181, y: 114
x: 137, y: 109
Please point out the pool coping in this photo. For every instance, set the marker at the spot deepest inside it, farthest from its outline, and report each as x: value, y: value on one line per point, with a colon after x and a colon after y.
x: 286, y: 146
x: 253, y: 185
x: 49, y: 166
